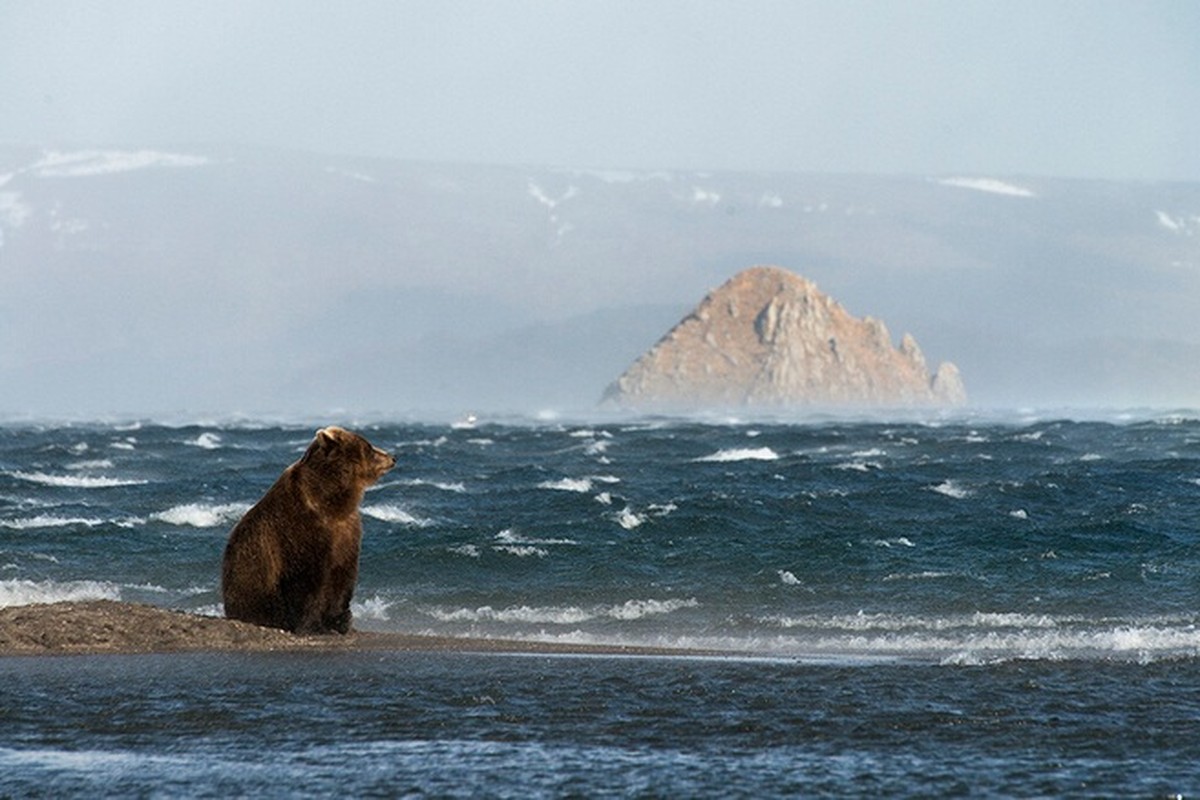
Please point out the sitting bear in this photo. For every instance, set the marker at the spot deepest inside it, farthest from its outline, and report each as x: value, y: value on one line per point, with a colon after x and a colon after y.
x: 292, y: 560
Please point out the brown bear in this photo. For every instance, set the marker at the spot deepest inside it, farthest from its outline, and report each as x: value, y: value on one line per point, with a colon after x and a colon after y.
x: 292, y: 560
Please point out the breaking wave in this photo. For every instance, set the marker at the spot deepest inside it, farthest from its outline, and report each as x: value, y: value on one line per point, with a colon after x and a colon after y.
x: 741, y: 454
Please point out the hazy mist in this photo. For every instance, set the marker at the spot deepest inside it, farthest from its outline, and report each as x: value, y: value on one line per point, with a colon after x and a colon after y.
x: 229, y: 207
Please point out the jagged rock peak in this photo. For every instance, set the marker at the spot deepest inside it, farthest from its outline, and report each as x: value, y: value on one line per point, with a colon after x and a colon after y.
x: 769, y: 337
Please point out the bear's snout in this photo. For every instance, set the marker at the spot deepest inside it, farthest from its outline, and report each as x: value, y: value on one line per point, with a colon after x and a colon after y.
x: 384, y: 459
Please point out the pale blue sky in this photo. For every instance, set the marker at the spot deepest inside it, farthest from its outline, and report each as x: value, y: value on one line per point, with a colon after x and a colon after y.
x: 1095, y: 89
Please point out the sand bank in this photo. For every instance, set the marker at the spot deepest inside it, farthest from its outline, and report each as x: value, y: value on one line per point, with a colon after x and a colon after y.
x: 106, y: 626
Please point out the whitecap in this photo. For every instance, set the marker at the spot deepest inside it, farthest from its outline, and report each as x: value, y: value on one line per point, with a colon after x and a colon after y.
x: 740, y: 454
x: 371, y: 608
x: 1019, y: 513
x: 468, y: 550
x: 604, y: 498
x: 900, y: 541
x: 509, y: 536
x: 858, y: 466
x: 628, y: 520
x: 563, y: 615
x: 202, y: 515
x: 206, y: 441
x: 75, y: 481
x: 445, y: 486
x: 26, y: 592
x: 99, y: 463
x: 661, y: 510
x: 521, y: 550
x: 390, y: 512
x: 568, y: 485
x: 951, y: 488
x: 48, y: 521
x: 787, y: 578
x: 917, y: 576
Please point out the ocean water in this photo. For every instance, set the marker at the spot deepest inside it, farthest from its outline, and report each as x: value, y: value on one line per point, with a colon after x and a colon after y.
x: 987, y: 605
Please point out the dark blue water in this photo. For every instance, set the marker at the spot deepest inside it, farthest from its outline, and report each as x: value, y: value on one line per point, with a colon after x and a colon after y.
x: 988, y: 606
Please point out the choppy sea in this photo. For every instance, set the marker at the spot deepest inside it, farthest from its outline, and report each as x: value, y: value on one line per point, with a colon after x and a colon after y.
x: 1002, y: 605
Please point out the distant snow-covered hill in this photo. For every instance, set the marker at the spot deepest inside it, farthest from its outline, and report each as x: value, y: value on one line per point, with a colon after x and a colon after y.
x: 220, y: 280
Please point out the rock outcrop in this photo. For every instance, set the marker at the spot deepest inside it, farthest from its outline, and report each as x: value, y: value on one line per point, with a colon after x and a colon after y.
x: 769, y: 338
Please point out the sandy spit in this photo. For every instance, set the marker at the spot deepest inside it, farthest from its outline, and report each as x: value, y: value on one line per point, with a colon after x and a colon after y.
x: 106, y: 626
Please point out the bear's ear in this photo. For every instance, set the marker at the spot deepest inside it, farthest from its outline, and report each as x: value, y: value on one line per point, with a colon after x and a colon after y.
x: 324, y: 439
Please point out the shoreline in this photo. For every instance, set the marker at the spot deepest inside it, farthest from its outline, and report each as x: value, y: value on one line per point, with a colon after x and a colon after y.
x: 110, y: 627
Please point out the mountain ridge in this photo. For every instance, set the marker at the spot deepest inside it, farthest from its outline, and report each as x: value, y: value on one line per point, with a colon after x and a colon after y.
x: 218, y: 278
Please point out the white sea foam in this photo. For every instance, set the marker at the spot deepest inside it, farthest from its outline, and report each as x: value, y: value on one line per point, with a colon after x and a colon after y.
x: 900, y: 541
x: 858, y: 466
x: 741, y: 454
x: 202, y: 515
x: 951, y: 488
x: 563, y: 615
x: 206, y: 441
x: 509, y: 536
x: 568, y: 485
x: 26, y: 592
x: 48, y: 521
x: 628, y: 520
x: 98, y: 463
x: 390, y: 512
x: 468, y: 550
x: 661, y: 509
x: 371, y: 608
x: 521, y: 550
x: 445, y: 486
x: 917, y: 576
x: 75, y: 481
x: 787, y: 578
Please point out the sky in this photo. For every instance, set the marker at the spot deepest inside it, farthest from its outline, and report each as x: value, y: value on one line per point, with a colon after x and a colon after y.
x: 1095, y: 89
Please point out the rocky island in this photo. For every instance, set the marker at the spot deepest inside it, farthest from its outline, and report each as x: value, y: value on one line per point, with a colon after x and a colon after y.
x: 768, y: 338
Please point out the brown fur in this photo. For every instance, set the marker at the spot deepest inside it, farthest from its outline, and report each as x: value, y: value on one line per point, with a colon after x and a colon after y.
x: 292, y: 560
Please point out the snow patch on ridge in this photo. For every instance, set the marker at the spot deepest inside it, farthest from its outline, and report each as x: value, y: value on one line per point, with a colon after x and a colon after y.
x: 989, y: 185
x: 87, y: 163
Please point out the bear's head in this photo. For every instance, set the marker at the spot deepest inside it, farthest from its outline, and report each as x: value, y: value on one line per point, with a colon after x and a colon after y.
x: 347, y: 457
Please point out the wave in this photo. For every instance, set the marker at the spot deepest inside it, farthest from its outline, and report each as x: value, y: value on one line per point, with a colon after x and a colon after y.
x: 509, y: 536
x: 203, y: 515
x: 953, y: 489
x: 521, y: 550
x: 49, y: 521
x: 206, y: 441
x: 568, y: 485
x: 26, y: 592
x: 740, y: 454
x: 99, y: 463
x: 390, y: 512
x: 445, y: 486
x: 75, y: 481
x: 986, y: 638
x: 629, y: 520
x: 562, y: 615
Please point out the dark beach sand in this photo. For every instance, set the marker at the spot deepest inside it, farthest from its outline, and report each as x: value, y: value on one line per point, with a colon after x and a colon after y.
x: 106, y: 626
